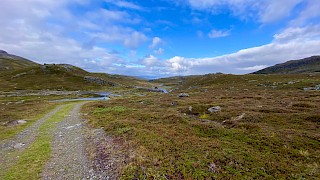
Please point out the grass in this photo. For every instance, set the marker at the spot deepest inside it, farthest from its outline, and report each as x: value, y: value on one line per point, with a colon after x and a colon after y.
x: 278, y: 137
x: 33, y: 159
x: 57, y: 77
x: 31, y: 109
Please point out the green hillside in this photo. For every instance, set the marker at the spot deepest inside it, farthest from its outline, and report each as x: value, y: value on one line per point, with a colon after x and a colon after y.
x: 62, y: 77
x: 306, y: 65
x: 10, y: 62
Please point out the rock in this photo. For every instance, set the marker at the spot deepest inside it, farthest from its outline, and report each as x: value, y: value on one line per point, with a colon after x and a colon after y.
x: 2, y: 52
x: 214, y: 109
x: 19, y: 145
x: 19, y: 75
x: 21, y: 121
x: 213, y: 167
x: 316, y: 88
x: 238, y: 118
x: 183, y: 95
x: 174, y: 103
x: 98, y: 80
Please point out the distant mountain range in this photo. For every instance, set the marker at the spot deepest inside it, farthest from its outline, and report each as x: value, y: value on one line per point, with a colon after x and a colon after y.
x: 306, y: 65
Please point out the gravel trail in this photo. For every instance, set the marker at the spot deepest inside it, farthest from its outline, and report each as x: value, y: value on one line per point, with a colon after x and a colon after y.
x: 69, y: 158
x: 20, y: 142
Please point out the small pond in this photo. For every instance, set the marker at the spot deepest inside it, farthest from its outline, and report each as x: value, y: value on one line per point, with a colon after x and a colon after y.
x: 102, y: 96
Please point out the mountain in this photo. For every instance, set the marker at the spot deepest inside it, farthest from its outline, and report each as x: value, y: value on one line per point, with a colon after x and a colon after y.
x: 9, y: 62
x: 306, y: 65
x: 17, y: 73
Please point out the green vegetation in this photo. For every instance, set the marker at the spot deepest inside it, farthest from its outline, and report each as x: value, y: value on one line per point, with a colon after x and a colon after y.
x: 10, y: 62
x: 306, y: 65
x: 63, y: 77
x: 268, y: 128
x: 13, y: 109
x: 33, y: 159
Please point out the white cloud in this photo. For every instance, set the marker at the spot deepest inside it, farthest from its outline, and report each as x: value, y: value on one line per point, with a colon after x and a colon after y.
x: 300, y: 45
x: 310, y: 12
x: 135, y: 39
x: 159, y: 51
x: 218, y: 33
x: 294, y: 33
x: 33, y: 29
x: 275, y: 10
x: 155, y: 42
x: 253, y: 68
x: 150, y: 60
x: 267, y: 11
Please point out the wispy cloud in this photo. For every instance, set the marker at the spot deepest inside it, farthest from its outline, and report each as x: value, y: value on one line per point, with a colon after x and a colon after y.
x: 125, y: 4
x: 158, y: 51
x: 218, y: 33
x: 155, y: 42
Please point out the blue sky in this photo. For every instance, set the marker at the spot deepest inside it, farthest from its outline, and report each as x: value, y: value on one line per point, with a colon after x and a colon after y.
x: 160, y: 38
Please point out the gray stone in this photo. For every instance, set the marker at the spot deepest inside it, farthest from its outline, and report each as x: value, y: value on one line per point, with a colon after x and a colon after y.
x: 19, y: 145
x: 183, y: 95
x: 21, y: 121
x: 174, y: 103
x: 98, y: 80
x: 316, y: 88
x: 214, y: 109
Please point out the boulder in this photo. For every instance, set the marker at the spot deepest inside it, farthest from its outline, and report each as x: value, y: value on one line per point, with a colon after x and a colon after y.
x: 183, y: 95
x: 214, y: 109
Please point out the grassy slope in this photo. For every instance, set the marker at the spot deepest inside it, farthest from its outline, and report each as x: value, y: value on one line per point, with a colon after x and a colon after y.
x: 307, y: 65
x: 60, y: 77
x: 14, y: 63
x: 278, y: 137
x: 17, y: 73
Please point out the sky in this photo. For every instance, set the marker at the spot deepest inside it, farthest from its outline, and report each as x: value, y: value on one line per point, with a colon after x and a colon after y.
x: 161, y: 38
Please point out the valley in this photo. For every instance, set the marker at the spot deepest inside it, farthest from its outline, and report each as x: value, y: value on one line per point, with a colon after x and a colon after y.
x: 220, y: 126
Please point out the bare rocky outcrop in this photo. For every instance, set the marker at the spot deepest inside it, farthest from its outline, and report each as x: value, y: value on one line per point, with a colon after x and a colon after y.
x: 98, y: 80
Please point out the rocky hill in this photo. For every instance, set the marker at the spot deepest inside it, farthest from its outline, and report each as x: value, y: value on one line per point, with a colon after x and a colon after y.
x: 306, y: 65
x: 17, y: 73
x: 9, y: 62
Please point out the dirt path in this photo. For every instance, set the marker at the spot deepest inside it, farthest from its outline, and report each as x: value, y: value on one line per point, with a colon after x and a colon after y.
x: 72, y: 141
x: 13, y: 146
x: 70, y: 159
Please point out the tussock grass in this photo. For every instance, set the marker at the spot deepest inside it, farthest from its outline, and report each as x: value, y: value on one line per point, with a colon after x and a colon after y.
x: 278, y: 137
